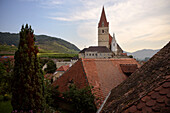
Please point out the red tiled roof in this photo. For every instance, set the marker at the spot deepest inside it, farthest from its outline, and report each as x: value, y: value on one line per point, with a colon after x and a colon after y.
x: 75, y: 74
x: 157, y: 100
x: 102, y: 74
x: 128, y: 68
x: 103, y: 19
x: 63, y: 68
x: 125, y: 54
x: 110, y: 39
x: 146, y: 90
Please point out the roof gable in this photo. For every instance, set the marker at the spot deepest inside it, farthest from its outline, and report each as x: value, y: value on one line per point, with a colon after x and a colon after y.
x: 63, y: 68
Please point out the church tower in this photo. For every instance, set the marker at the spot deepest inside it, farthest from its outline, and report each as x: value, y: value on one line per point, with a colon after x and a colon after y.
x: 103, y: 31
x: 114, y: 45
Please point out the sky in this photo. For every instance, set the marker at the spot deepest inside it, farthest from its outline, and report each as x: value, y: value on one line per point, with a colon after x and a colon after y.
x: 137, y: 24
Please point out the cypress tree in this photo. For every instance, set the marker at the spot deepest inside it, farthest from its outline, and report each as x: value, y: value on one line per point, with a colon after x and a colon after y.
x: 27, y: 86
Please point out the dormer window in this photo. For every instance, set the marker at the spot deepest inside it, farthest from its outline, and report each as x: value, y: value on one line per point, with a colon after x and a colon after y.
x: 102, y: 24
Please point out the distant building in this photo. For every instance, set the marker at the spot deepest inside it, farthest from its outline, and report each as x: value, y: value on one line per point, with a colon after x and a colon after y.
x: 65, y: 63
x: 60, y: 71
x: 104, y: 37
x: 96, y: 52
x: 104, y: 40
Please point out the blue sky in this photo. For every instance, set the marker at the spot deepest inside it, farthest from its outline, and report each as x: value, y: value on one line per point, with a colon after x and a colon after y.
x: 137, y: 24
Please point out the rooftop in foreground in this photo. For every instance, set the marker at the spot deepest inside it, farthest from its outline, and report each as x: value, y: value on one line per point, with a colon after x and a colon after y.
x: 146, y: 90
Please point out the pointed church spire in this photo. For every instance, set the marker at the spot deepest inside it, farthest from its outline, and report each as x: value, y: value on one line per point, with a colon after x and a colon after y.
x: 103, y: 21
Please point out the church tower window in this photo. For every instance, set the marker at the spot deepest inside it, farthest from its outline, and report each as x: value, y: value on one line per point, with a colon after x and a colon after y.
x: 102, y: 31
x: 102, y: 24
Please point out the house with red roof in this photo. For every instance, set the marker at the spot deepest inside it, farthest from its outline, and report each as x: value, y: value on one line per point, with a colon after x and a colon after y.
x: 102, y: 74
x: 60, y: 71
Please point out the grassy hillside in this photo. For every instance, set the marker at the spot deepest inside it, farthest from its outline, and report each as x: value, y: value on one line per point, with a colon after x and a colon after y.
x: 7, y: 49
x: 45, y: 43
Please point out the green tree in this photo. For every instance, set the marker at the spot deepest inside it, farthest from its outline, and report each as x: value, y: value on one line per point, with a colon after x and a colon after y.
x: 5, y: 77
x: 81, y: 99
x: 2, y: 78
x: 51, y: 67
x: 130, y: 56
x: 52, y: 95
x: 27, y: 86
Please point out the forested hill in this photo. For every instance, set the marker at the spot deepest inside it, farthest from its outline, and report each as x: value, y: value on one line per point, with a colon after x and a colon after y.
x: 45, y: 43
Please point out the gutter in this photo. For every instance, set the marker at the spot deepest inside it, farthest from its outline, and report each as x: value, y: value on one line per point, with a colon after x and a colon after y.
x: 101, y: 107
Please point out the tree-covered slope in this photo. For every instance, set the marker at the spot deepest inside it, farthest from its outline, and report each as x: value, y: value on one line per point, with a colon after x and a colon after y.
x: 45, y: 43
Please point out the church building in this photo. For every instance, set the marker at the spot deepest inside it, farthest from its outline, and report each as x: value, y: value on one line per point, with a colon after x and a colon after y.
x: 105, y: 41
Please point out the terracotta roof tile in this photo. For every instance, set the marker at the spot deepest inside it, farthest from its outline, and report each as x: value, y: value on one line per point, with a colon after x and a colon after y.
x: 168, y: 95
x: 102, y: 74
x: 158, y: 89
x: 140, y: 105
x: 156, y: 108
x: 146, y: 110
x: 151, y: 103
x: 155, y: 95
x: 133, y: 109
x: 166, y: 85
x: 75, y: 74
x: 148, y: 88
x: 164, y: 91
x: 167, y: 102
x: 161, y: 99
x: 150, y: 93
x: 128, y: 68
x: 155, y: 102
x: 146, y: 98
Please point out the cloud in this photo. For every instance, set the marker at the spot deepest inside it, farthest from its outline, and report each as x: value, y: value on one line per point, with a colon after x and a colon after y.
x: 46, y: 3
x: 135, y: 22
x: 50, y: 3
